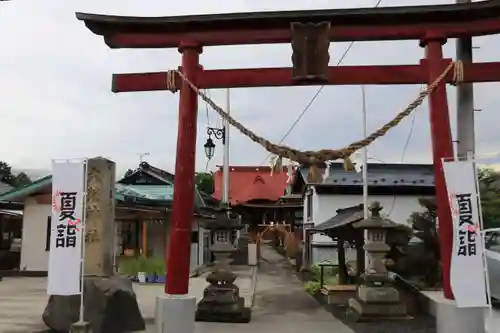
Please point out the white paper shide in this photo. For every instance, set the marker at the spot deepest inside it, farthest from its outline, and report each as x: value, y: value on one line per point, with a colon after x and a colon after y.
x: 68, y: 185
x: 467, y: 264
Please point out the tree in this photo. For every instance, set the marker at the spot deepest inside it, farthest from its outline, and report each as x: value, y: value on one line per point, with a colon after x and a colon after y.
x: 422, y: 259
x: 205, y: 182
x: 489, y: 188
x: 11, y: 179
x: 128, y: 173
x: 21, y: 180
x: 6, y: 175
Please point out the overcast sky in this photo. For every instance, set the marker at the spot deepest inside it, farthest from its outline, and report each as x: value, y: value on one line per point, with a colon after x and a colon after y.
x: 55, y: 79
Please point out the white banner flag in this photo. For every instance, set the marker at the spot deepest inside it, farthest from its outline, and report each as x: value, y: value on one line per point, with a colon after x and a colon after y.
x: 68, y: 186
x: 467, y: 276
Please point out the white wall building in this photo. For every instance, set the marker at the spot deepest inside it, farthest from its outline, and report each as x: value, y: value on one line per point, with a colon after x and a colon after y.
x: 396, y: 186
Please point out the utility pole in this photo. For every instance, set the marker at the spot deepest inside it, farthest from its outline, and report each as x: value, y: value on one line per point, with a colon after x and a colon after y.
x: 225, y: 165
x: 365, y: 170
x: 465, y: 100
x: 472, y: 319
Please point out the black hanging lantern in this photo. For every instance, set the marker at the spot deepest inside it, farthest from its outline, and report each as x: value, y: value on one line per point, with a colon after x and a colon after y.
x: 209, y: 148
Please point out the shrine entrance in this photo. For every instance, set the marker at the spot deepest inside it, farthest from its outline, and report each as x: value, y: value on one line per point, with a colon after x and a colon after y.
x: 310, y: 34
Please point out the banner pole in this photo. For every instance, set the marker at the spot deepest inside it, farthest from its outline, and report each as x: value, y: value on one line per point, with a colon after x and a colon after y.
x: 482, y: 233
x: 82, y: 237
x: 467, y: 162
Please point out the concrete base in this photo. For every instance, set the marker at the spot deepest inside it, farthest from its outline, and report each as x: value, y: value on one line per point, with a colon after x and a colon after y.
x: 252, y: 254
x: 451, y: 319
x: 175, y: 313
x: 80, y: 327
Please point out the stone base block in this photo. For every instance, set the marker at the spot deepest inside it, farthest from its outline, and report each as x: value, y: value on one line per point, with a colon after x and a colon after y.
x: 175, y: 314
x: 451, y: 319
x: 361, y: 311
x: 223, y: 313
x: 110, y: 306
x: 369, y: 294
x: 338, y: 294
x: 80, y: 327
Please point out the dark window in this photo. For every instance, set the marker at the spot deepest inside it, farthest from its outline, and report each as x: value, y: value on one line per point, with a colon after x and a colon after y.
x: 309, y: 206
x: 194, y: 237
x: 48, y: 232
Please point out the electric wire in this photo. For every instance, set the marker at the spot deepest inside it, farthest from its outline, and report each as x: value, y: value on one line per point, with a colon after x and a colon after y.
x: 405, y: 147
x: 207, y: 92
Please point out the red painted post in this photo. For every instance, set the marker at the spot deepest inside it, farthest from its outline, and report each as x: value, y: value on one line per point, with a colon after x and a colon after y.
x: 179, y: 246
x: 442, y: 146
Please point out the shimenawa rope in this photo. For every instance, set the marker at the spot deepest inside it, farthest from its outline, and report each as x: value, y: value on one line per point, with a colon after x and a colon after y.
x: 316, y: 159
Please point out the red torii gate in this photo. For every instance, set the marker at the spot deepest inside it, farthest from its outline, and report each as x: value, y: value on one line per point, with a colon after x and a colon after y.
x: 431, y: 25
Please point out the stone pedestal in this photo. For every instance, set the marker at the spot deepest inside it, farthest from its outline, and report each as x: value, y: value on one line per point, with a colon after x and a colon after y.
x: 175, y: 314
x: 377, y: 302
x: 221, y: 300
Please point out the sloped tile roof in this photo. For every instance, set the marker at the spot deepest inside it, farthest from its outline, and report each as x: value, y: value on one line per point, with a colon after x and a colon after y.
x: 152, y: 193
x: 418, y: 175
x: 247, y: 183
x: 344, y: 216
x: 4, y: 187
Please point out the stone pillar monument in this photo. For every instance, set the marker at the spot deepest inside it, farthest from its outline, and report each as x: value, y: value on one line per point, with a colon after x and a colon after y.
x: 110, y: 304
x: 100, y: 217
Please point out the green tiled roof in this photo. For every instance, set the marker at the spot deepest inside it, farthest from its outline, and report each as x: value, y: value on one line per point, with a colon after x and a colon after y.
x: 27, y: 190
x: 160, y: 193
x: 148, y: 193
x: 151, y: 192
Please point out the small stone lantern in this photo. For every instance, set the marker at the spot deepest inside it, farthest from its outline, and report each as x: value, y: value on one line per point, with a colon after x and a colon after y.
x: 376, y: 297
x: 221, y: 300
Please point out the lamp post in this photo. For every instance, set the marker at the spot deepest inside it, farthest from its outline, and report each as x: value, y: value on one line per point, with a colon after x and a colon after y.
x: 221, y: 134
x: 217, y: 133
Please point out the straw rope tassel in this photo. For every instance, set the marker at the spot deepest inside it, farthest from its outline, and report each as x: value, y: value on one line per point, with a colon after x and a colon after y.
x: 315, y: 159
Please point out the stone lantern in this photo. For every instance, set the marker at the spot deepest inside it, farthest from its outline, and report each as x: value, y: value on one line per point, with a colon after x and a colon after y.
x: 376, y: 297
x: 221, y: 300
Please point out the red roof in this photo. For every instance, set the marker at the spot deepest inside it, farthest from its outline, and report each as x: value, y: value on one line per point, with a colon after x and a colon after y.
x: 250, y: 183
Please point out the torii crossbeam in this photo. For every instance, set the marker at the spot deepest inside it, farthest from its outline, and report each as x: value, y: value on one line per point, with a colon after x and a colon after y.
x: 430, y: 25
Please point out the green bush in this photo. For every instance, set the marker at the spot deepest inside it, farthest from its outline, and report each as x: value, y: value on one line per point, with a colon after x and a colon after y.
x: 150, y: 266
x: 142, y: 264
x: 331, y: 280
x: 328, y: 271
x: 158, y: 266
x: 129, y: 266
x: 312, y: 287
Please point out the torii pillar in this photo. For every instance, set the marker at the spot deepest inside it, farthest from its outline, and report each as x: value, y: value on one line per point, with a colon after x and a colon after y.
x: 175, y: 310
